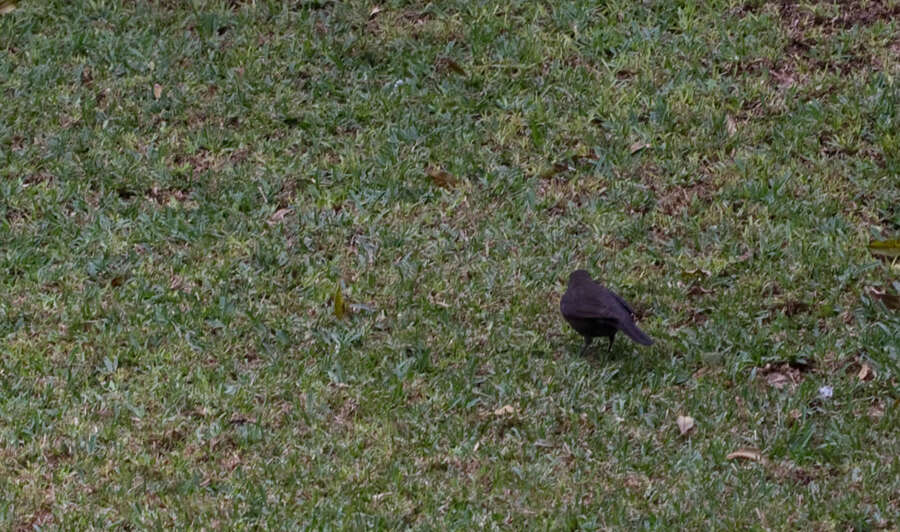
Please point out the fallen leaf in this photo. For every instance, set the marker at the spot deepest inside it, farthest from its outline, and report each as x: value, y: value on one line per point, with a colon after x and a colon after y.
x: 339, y: 307
x: 7, y: 6
x: 697, y: 273
x: 866, y: 373
x: 556, y: 169
x: 730, y: 126
x: 157, y: 91
x: 442, y: 178
x: 793, y: 307
x: 783, y: 78
x: 746, y: 453
x: 374, y: 12
x: 747, y: 255
x: 685, y: 424
x: 240, y: 419
x: 777, y: 380
x: 886, y: 248
x: 784, y: 373
x: 278, y: 216
x: 590, y: 156
x: 506, y: 410
x: 638, y: 146
x: 452, y: 65
x: 697, y: 290
x: 890, y: 300
x: 232, y: 462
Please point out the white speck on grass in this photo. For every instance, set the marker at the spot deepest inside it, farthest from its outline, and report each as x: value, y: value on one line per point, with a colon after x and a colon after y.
x: 398, y: 83
x: 825, y: 392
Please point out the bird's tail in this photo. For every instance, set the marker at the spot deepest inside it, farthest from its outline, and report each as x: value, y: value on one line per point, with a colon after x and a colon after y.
x: 636, y: 334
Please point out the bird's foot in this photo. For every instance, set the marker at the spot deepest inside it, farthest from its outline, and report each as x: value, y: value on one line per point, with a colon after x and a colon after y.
x: 584, y: 349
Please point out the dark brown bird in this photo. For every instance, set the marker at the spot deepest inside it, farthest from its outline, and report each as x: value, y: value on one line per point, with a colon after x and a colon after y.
x: 594, y: 310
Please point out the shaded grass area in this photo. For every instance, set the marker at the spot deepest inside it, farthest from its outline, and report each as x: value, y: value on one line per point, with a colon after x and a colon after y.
x: 184, y: 187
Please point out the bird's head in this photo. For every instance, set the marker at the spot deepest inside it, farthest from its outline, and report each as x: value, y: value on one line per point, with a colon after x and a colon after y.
x: 579, y: 276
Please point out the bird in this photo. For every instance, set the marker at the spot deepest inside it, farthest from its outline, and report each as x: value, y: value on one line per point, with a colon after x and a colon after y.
x: 594, y: 310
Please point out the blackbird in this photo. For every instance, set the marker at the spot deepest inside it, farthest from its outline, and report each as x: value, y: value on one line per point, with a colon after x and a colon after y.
x: 594, y: 310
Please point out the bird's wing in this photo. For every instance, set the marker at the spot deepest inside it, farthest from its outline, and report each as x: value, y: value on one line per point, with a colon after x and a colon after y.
x: 622, y: 302
x: 593, y: 301
x: 626, y: 323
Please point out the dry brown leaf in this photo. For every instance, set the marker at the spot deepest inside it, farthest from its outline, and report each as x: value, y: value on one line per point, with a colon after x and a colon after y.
x: 784, y: 373
x: 866, y: 373
x: 278, y: 216
x: 585, y: 159
x: 453, y: 66
x: 638, y: 146
x: 746, y: 453
x: 240, y: 419
x: 777, y: 380
x: 506, y: 410
x: 157, y: 91
x: 231, y: 462
x: 730, y: 126
x: 7, y: 6
x: 441, y: 177
x: 783, y: 78
x: 697, y: 273
x: 697, y: 290
x: 793, y: 307
x: 685, y: 424
x: 555, y: 169
x: 891, y: 301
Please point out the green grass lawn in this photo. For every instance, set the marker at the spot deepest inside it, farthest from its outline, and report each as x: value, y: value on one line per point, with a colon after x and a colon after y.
x: 185, y: 186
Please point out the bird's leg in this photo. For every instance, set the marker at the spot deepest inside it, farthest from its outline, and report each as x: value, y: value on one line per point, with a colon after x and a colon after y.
x: 587, y: 343
x: 611, y: 338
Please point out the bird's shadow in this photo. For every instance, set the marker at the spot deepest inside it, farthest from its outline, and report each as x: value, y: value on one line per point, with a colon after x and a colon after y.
x: 601, y: 354
x: 623, y: 358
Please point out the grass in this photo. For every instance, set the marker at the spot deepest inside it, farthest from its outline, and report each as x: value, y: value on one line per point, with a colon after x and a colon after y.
x: 185, y: 186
